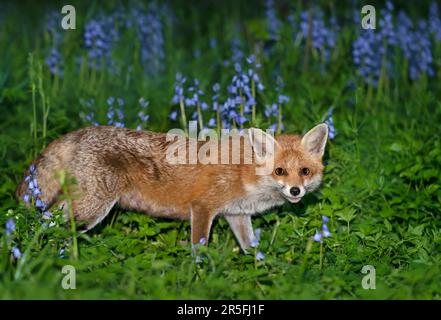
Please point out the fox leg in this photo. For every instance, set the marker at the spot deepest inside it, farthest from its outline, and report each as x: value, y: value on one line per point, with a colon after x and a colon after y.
x: 242, y: 229
x: 200, y: 220
x: 89, y: 210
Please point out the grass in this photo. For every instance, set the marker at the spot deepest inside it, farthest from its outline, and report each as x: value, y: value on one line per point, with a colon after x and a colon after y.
x: 381, y: 186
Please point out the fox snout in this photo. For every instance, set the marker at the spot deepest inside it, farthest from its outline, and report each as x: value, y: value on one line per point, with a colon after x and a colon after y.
x: 292, y: 193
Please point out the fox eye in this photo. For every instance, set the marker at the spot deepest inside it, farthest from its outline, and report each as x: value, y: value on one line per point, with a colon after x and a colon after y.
x: 304, y: 172
x: 279, y: 172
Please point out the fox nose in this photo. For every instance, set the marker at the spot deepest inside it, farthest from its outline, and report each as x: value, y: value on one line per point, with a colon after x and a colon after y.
x: 294, y: 191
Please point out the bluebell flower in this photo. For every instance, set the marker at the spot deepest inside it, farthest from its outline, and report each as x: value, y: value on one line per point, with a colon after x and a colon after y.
x: 386, y: 26
x: 259, y: 256
x: 323, y: 38
x: 16, y: 252
x: 283, y: 99
x: 26, y: 198
x: 143, y: 103
x: 202, y: 241
x: 204, y: 105
x: 179, y: 89
x: 212, y: 122
x: 255, y: 241
x: 317, y: 237
x: 142, y: 116
x: 150, y: 31
x: 330, y: 122
x: 47, y: 214
x: 40, y: 204
x: 273, y: 22
x: 415, y: 45
x: 216, y: 87
x: 100, y: 35
x: 271, y: 110
x: 372, y: 51
x: 33, y: 190
x: 173, y: 115
x: 10, y: 226
x: 53, y: 61
x: 110, y: 101
x: 236, y: 49
x: 53, y: 57
x: 325, y: 231
x: 89, y: 116
x: 435, y: 21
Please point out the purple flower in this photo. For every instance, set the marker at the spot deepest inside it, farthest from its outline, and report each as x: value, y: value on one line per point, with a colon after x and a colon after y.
x: 47, y: 214
x: 330, y: 122
x: 259, y: 256
x: 179, y: 89
x: 53, y: 61
x: 40, y: 204
x: 202, y: 241
x: 283, y: 99
x: 150, y: 32
x: 53, y: 58
x: 326, y: 232
x: 323, y: 38
x: 110, y: 101
x: 27, y: 198
x: 237, y: 53
x: 255, y: 241
x: 274, y: 23
x: 272, y: 110
x: 100, y: 35
x: 415, y: 45
x: 435, y: 21
x: 257, y: 233
x: 173, y: 115
x: 212, y: 122
x: 16, y: 252
x: 10, y: 226
x: 317, y: 237
x: 143, y: 103
x: 216, y: 87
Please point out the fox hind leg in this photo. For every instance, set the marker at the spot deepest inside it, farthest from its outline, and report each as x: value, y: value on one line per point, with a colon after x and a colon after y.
x: 89, y: 210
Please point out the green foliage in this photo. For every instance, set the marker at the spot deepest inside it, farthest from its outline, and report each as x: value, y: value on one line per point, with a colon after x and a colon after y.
x: 381, y: 186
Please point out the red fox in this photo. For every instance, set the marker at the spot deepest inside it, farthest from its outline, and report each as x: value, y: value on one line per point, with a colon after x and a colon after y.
x: 116, y: 165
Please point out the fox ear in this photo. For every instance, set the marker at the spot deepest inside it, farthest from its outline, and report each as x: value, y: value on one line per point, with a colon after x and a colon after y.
x: 264, y: 145
x: 314, y: 141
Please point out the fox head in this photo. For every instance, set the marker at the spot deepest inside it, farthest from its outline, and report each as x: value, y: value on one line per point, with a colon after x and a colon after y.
x: 293, y: 163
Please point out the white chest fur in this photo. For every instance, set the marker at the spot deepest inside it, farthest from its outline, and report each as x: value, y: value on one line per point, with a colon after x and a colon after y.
x: 259, y: 198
